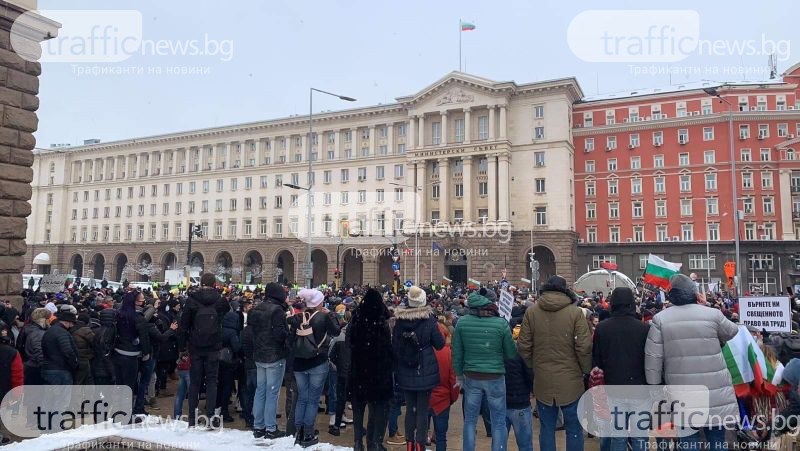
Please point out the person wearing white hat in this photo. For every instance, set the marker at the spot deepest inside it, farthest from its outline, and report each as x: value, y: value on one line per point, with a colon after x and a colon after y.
x: 311, y: 330
x: 414, y: 337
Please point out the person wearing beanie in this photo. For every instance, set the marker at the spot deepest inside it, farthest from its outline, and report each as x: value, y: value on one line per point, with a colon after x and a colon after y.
x: 481, y: 343
x: 684, y: 347
x: 311, y: 331
x: 619, y: 351
x: 564, y: 356
x: 414, y: 337
x: 84, y: 341
x: 59, y: 352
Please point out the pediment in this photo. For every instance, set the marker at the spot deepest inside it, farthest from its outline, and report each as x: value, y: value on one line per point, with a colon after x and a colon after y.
x: 458, y: 90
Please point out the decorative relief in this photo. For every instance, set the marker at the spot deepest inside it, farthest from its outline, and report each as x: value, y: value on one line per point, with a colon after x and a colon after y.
x: 455, y: 96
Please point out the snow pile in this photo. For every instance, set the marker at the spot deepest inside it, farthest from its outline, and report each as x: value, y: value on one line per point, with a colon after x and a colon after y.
x: 168, y: 433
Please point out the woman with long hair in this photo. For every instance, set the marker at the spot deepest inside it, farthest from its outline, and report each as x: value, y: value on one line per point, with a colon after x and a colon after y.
x: 370, y: 342
x: 129, y: 342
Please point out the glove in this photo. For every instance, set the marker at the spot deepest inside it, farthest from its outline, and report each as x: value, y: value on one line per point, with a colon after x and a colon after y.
x: 459, y: 381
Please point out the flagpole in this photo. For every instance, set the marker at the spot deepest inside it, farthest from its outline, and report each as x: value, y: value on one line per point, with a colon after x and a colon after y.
x: 431, y: 265
x: 459, y: 45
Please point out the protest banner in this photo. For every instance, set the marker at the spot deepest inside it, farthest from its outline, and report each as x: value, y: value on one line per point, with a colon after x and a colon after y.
x: 771, y: 313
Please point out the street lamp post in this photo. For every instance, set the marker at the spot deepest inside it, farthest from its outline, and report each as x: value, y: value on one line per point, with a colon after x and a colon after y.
x: 416, y: 189
x: 708, y: 247
x: 195, y: 230
x: 309, y: 273
x: 735, y: 194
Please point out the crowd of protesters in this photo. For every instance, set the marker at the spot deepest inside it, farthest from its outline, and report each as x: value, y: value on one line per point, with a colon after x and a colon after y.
x: 376, y: 352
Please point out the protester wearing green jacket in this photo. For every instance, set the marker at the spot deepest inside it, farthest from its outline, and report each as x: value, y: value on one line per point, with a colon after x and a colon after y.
x: 481, y: 343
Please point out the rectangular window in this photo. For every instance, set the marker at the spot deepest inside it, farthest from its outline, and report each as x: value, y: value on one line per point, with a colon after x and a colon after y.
x: 538, y: 111
x: 589, y: 145
x: 538, y: 133
x: 634, y: 140
x: 436, y: 133
x: 590, y: 188
x: 613, y: 187
x: 483, y: 127
x: 591, y: 211
x: 612, y: 164
x: 459, y: 126
x: 709, y: 157
x: 611, y: 142
x: 613, y: 210
x: 591, y: 235
x: 659, y: 184
x: 711, y: 181
x: 636, y: 186
x: 686, y: 183
x: 702, y: 262
x: 712, y: 206
x: 661, y: 209
x: 613, y: 234
x: 687, y: 233
x: 662, y: 233
x: 658, y: 161
x: 636, y: 163
x: 538, y: 158
x: 658, y: 138
x: 539, y: 184
x: 765, y: 154
x: 683, y: 159
x: 589, y: 166
x: 599, y: 259
x: 686, y: 207
x: 708, y: 133
x: 713, y: 232
x: 398, y: 171
x: 637, y: 209
x: 541, y: 216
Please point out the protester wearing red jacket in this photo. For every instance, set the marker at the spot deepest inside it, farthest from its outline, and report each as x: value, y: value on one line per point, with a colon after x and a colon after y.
x: 444, y: 394
x: 11, y: 370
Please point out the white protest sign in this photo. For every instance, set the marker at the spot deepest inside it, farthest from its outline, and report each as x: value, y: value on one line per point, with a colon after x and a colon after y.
x: 52, y: 283
x: 506, y: 304
x: 771, y: 313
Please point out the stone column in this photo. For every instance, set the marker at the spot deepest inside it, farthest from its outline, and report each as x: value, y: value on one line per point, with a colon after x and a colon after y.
x: 165, y: 162
x: 492, y: 185
x: 467, y: 180
x: 467, y: 126
x: 372, y: 140
x: 337, y: 141
x: 444, y: 128
x: 503, y: 127
x: 19, y: 70
x: 444, y: 190
x: 491, y: 122
x: 503, y: 182
x: 421, y: 132
x: 390, y: 138
x: 421, y: 182
x: 411, y: 133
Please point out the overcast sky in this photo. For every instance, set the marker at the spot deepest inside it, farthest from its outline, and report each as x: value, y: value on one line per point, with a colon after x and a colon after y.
x: 373, y: 51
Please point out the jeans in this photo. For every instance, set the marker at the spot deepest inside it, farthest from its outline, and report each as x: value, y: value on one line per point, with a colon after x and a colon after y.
x: 205, y: 368
x: 309, y: 389
x: 290, y: 403
x: 714, y: 437
x: 146, y: 370
x: 394, y: 413
x: 268, y: 379
x: 548, y: 415
x: 330, y: 397
x: 376, y: 424
x: 441, y: 423
x: 249, y: 395
x: 417, y: 415
x: 227, y: 374
x: 59, y: 387
x: 126, y: 369
x: 621, y: 443
x: 522, y: 422
x: 495, y: 392
x: 183, y: 391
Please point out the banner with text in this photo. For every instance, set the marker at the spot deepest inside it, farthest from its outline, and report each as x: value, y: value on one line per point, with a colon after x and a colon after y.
x: 771, y: 313
x: 506, y: 304
x: 52, y: 283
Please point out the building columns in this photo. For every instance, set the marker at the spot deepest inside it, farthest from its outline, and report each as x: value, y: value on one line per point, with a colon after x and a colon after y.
x: 503, y: 128
x: 467, y: 125
x: 390, y: 139
x: 443, y: 140
x: 421, y: 131
x: 491, y: 122
x: 444, y: 190
x: 492, y: 185
x: 503, y: 182
x: 467, y: 181
x: 412, y: 132
x: 421, y: 190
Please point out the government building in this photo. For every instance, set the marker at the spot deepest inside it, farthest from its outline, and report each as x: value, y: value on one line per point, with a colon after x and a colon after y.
x: 467, y: 178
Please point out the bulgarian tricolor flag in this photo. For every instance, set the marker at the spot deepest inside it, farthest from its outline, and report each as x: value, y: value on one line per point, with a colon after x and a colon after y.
x: 745, y: 362
x: 467, y: 26
x: 473, y: 284
x: 658, y: 271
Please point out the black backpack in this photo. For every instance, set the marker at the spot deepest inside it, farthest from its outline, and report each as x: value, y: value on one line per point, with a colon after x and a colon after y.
x: 206, y: 333
x: 305, y: 344
x: 409, y: 349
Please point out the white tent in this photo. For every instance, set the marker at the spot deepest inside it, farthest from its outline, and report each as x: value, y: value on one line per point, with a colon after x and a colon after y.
x: 42, y: 259
x: 602, y: 280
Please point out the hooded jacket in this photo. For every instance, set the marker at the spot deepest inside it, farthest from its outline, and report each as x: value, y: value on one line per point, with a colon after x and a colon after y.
x: 684, y: 348
x: 58, y: 349
x: 555, y: 342
x: 230, y: 331
x: 421, y: 321
x: 269, y: 329
x: 370, y: 342
x: 34, y: 332
x: 619, y: 348
x: 482, y: 340
x: 205, y: 296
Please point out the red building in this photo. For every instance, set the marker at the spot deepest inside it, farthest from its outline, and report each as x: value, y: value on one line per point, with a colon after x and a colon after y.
x: 653, y: 175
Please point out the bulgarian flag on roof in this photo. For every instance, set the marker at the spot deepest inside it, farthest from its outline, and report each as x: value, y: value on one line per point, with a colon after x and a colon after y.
x: 658, y: 271
x: 467, y: 26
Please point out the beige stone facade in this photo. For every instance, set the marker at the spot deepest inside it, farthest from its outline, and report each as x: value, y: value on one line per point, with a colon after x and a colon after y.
x: 482, y: 168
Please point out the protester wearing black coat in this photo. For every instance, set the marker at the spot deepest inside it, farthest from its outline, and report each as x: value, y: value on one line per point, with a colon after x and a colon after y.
x: 519, y: 383
x: 269, y: 328
x: 619, y: 342
x: 59, y: 351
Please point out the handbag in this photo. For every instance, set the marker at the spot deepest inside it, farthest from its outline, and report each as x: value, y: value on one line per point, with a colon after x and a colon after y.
x: 226, y: 355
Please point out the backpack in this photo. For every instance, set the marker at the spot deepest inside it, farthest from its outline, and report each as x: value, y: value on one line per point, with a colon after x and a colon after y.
x: 305, y: 345
x: 409, y: 351
x: 105, y: 337
x: 206, y: 331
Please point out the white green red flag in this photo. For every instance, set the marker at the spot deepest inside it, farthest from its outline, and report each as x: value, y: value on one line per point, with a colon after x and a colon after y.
x: 658, y: 271
x: 467, y: 26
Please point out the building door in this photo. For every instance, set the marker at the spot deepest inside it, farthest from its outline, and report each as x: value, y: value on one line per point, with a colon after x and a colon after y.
x: 455, y: 262
x: 458, y: 274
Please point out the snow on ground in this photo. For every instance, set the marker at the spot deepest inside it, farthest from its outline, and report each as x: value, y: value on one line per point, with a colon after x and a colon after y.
x: 169, y: 433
